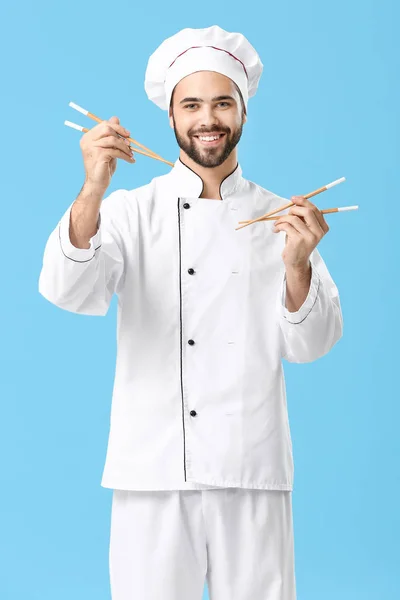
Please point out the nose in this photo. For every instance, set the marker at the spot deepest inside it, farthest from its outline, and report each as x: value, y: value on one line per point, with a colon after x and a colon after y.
x: 208, y: 116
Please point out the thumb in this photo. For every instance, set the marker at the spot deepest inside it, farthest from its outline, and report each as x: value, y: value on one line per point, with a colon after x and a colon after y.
x: 114, y: 120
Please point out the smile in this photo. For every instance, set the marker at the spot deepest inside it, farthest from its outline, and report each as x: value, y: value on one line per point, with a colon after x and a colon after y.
x: 210, y: 140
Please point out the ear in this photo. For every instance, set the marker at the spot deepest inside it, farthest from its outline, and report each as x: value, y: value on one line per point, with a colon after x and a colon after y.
x: 171, y: 122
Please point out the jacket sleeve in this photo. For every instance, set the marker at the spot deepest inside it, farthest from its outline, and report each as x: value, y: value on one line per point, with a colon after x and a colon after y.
x: 314, y: 329
x: 84, y: 280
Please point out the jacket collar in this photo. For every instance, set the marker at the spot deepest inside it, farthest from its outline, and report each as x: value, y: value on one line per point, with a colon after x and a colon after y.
x: 187, y: 184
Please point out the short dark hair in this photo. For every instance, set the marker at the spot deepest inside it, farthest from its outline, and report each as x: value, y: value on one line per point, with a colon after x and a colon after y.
x: 241, y: 98
x: 237, y: 88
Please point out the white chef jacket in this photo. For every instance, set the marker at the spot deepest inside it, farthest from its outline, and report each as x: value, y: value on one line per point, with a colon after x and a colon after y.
x: 199, y: 394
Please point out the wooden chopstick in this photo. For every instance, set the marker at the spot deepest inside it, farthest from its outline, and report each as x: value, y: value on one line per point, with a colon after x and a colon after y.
x: 310, y: 195
x: 325, y: 211
x: 147, y: 152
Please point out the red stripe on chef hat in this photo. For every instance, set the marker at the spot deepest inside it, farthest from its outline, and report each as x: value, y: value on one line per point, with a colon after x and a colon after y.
x: 215, y: 48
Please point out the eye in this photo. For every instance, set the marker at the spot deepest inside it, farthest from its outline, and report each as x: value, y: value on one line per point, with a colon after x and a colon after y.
x: 195, y: 104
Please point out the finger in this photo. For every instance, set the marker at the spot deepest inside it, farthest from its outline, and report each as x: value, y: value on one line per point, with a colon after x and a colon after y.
x: 297, y: 223
x: 114, y: 121
x: 303, y: 202
x: 113, y: 142
x: 310, y: 219
x: 291, y: 231
x: 115, y: 153
x: 300, y: 200
x: 106, y: 128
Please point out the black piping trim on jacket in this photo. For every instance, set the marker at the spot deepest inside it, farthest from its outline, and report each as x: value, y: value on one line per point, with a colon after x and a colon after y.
x: 220, y: 185
x: 181, y: 340
x: 202, y: 182
x: 73, y: 259
x: 316, y: 296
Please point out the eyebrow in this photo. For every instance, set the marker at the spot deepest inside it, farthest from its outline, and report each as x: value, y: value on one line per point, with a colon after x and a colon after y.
x: 215, y: 99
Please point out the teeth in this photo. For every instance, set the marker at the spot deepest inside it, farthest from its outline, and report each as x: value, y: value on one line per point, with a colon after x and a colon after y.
x: 209, y: 138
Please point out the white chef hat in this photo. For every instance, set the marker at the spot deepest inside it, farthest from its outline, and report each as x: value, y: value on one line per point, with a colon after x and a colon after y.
x: 209, y: 49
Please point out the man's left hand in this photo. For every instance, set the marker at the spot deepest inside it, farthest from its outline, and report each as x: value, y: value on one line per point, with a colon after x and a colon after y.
x: 305, y: 227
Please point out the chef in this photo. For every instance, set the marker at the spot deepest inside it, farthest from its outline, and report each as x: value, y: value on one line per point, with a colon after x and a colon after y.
x: 199, y: 452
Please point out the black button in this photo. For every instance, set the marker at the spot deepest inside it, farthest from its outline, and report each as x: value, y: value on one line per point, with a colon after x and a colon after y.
x: 186, y: 205
x: 193, y: 413
x: 191, y: 342
x: 191, y: 271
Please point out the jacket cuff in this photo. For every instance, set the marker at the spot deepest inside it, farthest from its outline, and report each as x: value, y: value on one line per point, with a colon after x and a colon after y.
x: 307, y: 306
x: 69, y: 250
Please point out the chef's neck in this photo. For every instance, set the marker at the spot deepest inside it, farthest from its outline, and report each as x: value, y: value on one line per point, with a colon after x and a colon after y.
x: 212, y: 177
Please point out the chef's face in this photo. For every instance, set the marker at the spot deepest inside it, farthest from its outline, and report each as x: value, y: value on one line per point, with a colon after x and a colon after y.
x: 207, y: 103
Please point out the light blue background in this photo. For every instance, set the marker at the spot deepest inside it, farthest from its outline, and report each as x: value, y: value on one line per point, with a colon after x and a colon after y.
x: 327, y: 107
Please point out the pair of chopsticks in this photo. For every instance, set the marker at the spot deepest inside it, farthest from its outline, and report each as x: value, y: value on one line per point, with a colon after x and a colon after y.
x: 268, y: 217
x: 145, y: 151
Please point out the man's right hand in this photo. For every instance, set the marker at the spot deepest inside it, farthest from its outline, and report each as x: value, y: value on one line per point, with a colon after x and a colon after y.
x: 101, y: 146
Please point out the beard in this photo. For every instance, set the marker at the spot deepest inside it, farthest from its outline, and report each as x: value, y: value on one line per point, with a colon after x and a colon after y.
x: 209, y: 157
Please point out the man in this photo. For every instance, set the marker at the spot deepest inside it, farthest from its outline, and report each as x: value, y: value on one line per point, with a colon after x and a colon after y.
x: 199, y: 454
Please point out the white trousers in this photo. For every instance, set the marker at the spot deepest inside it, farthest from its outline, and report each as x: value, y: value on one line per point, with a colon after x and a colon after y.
x: 164, y: 545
